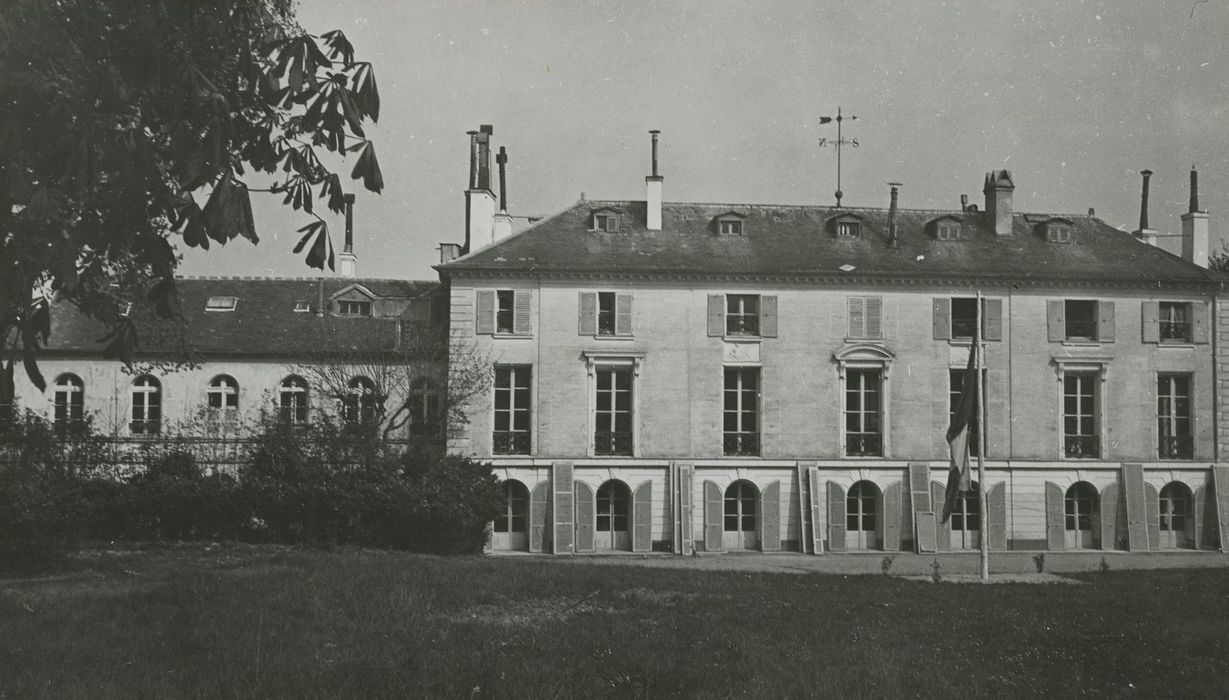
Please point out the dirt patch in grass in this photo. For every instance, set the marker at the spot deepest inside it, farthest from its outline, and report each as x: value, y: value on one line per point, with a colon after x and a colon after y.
x: 996, y: 578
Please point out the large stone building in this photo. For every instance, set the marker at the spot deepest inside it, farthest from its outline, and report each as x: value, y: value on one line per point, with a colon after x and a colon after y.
x: 722, y: 377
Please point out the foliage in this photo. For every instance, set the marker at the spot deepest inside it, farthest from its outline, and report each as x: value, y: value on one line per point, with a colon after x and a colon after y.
x: 126, y: 127
x: 1219, y: 261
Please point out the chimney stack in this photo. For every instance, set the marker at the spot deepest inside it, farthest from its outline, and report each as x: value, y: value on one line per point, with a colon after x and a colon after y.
x: 892, y: 241
x: 964, y: 202
x: 347, y: 257
x: 1195, y: 228
x: 479, y: 199
x: 998, y: 189
x: 502, y: 227
x: 653, y: 185
x: 1144, y: 233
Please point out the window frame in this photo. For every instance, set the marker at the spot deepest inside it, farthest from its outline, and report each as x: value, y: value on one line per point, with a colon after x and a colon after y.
x: 1170, y: 520
x: 954, y: 375
x: 742, y: 442
x: 1173, y: 442
x: 360, y: 405
x: 596, y: 363
x: 1082, y: 385
x: 515, y: 509
x: 296, y: 411
x: 605, y: 314
x: 1075, y: 517
x: 742, y: 323
x: 734, y: 511
x: 861, y: 414
x: 730, y: 227
x: 68, y: 402
x: 871, y: 305
x: 612, y: 507
x: 968, y: 327
x: 1094, y: 320
x: 354, y: 308
x: 858, y: 357
x: 424, y: 409
x: 512, y: 441
x: 1171, y: 323
x: 149, y: 388
x: 220, y: 303
x: 947, y: 230
x: 505, y: 313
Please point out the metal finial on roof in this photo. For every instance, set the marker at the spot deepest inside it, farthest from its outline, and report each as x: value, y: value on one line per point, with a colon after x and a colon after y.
x: 840, y: 141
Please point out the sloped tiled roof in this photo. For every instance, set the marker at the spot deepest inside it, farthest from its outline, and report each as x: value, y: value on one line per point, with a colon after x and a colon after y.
x: 798, y: 241
x: 263, y: 322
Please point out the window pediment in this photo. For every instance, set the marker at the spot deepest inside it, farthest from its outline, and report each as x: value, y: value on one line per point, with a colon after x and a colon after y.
x: 353, y: 292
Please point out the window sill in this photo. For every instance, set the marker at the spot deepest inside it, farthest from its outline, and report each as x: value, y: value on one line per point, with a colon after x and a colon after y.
x: 742, y: 338
x: 622, y: 338
x: 1082, y: 343
x: 1175, y: 344
x: 850, y: 340
x: 512, y: 336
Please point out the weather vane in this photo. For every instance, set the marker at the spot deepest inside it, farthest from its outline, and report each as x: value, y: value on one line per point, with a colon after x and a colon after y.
x: 840, y: 141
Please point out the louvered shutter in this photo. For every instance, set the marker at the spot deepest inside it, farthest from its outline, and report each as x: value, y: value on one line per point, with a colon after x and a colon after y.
x: 1152, y: 506
x: 1199, y: 322
x: 992, y: 319
x: 836, y: 517
x: 942, y: 318
x: 714, y: 517
x: 874, y: 317
x: 685, y: 543
x: 891, y: 517
x: 770, y: 520
x: 623, y: 314
x: 585, y: 517
x: 484, y: 319
x: 943, y: 530
x: 587, y: 321
x: 1205, y: 518
x: 642, y: 518
x: 716, y: 315
x: 1149, y: 320
x: 817, y: 511
x: 1056, y: 522
x: 520, y: 313
x: 768, y: 317
x: 1105, y: 325
x: 857, y: 317
x: 563, y: 497
x: 1110, y: 497
x: 539, y: 502
x: 1056, y: 320
x: 996, y: 502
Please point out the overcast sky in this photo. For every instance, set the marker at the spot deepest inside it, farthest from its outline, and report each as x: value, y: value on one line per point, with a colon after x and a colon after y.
x: 1075, y: 98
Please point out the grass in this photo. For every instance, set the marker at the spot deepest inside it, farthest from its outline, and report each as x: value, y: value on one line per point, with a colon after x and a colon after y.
x: 230, y: 620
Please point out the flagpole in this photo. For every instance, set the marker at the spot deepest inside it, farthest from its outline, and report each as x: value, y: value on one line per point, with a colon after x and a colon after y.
x: 983, y: 539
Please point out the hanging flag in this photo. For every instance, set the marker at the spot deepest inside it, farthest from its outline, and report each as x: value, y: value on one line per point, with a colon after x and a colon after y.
x: 958, y: 436
x: 825, y: 120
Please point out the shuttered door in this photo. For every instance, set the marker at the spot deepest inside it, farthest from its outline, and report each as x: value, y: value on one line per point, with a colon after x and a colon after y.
x: 1137, y: 516
x: 943, y: 531
x: 770, y: 523
x: 585, y: 517
x: 800, y: 471
x: 587, y: 321
x: 1111, y: 496
x: 1149, y: 322
x: 921, y: 507
x: 716, y: 315
x: 685, y: 476
x: 996, y: 503
x: 1055, y: 517
x: 562, y: 507
x: 836, y: 517
x: 1205, y: 518
x: 817, y: 511
x: 642, y: 525
x: 892, y: 517
x: 1220, y: 491
x: 714, y: 515
x: 942, y: 318
x: 1056, y: 321
x: 1152, y: 506
x: 623, y: 314
x: 539, y: 505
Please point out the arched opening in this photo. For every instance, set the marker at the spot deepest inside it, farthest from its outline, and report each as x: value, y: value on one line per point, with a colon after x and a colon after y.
x: 1082, y: 521
x: 146, y: 406
x: 862, y: 516
x: 292, y: 401
x: 614, y: 531
x: 741, y: 531
x: 222, y: 405
x: 966, y: 519
x: 1177, y: 525
x: 511, y: 531
x: 69, y: 402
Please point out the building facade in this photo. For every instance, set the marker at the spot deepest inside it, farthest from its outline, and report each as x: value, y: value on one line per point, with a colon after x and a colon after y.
x: 728, y: 377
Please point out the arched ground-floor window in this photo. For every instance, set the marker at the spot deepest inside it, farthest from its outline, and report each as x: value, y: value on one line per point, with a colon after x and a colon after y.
x: 613, y: 517
x: 741, y: 522
x: 1177, y: 526
x: 1080, y: 509
x: 862, y: 519
x: 511, y: 531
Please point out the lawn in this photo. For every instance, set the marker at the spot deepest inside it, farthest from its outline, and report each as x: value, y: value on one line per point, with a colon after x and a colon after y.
x: 231, y: 620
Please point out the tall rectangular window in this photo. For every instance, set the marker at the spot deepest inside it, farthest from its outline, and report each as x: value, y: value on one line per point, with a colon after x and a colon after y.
x: 742, y: 314
x: 955, y: 386
x: 1175, y: 322
x: 505, y: 312
x: 863, y: 390
x: 1081, y: 319
x: 605, y: 313
x: 69, y: 402
x: 741, y: 424
x: 613, y: 411
x: 1081, y: 438
x: 512, y: 427
x: 1173, y: 411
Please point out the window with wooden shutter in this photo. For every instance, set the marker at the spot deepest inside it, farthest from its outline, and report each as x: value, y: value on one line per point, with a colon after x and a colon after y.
x: 1150, y: 322
x: 942, y: 319
x: 623, y: 314
x: 716, y: 315
x: 1105, y: 323
x: 992, y: 319
x: 866, y: 317
x: 484, y: 315
x: 587, y: 321
x: 1056, y: 321
x: 520, y: 323
x: 1199, y: 323
x: 768, y: 317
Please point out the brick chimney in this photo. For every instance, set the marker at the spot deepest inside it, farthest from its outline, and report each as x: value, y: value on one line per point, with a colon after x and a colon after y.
x: 347, y: 259
x: 479, y: 199
x: 998, y: 189
x: 1195, y: 228
x: 502, y: 226
x: 1144, y: 233
x: 892, y: 240
x: 653, y: 192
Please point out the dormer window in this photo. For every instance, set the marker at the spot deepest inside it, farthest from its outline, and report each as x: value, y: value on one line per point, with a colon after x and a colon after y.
x: 353, y: 308
x: 730, y: 227
x: 302, y: 306
x: 846, y: 226
x: 1057, y: 231
x: 221, y: 303
x: 947, y: 230
x: 605, y: 220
